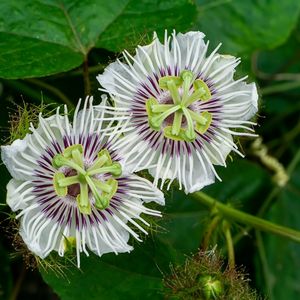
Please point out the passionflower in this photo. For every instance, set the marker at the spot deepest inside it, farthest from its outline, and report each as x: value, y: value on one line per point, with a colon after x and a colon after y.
x: 71, y: 188
x: 184, y: 106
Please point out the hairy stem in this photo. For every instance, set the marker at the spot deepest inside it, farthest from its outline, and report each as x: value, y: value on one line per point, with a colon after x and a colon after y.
x: 281, y: 87
x: 264, y: 262
x: 209, y: 231
x: 229, y: 243
x: 245, y: 218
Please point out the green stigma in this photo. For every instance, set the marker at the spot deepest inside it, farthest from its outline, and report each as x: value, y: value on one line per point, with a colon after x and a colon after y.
x: 86, y: 178
x: 180, y: 110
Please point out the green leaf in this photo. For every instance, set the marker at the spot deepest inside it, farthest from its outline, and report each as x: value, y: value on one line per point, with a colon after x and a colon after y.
x: 140, y: 18
x: 282, y: 264
x: 48, y: 36
x: 245, y: 26
x: 127, y: 276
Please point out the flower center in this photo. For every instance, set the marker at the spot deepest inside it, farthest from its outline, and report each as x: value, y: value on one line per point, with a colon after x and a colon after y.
x: 86, y: 178
x: 196, y: 122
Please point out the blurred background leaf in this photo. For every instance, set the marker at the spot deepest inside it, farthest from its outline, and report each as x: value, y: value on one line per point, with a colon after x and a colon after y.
x: 278, y: 264
x: 249, y: 25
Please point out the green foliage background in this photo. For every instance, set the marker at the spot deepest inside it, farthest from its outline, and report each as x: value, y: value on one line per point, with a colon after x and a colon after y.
x: 48, y: 47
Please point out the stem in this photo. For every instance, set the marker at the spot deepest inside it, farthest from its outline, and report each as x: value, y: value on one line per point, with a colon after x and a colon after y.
x: 293, y: 164
x: 282, y: 87
x: 86, y: 78
x: 246, y: 218
x: 53, y: 90
x: 229, y: 242
x: 290, y: 169
x: 264, y: 262
x: 210, y: 229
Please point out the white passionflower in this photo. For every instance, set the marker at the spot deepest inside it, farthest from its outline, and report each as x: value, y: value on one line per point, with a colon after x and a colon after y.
x: 184, y: 106
x: 71, y: 187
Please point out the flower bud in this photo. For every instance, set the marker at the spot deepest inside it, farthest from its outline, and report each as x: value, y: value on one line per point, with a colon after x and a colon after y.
x: 212, y: 288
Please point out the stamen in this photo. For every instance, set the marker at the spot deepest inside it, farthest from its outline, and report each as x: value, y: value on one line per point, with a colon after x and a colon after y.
x: 200, y: 84
x: 156, y: 121
x: 115, y: 169
x: 83, y: 202
x: 176, y: 137
x: 102, y: 160
x: 197, y: 94
x: 59, y: 160
x: 66, y: 181
x: 190, y: 132
x: 177, y: 123
x: 174, y: 91
x: 163, y: 81
x: 157, y: 113
x: 203, y: 128
x: 60, y: 191
x: 106, y: 196
x: 102, y: 186
x: 94, y: 189
x: 102, y: 191
x: 68, y: 151
x: 199, y: 118
x: 187, y: 77
x: 157, y: 108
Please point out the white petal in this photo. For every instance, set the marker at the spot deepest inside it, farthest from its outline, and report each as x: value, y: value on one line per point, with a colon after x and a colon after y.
x: 101, y: 240
x: 144, y: 189
x: 193, y: 172
x: 18, y: 194
x: 220, y: 148
x: 191, y: 46
x: 245, y: 105
x: 9, y: 155
x: 222, y: 69
x: 116, y: 79
x: 49, y: 232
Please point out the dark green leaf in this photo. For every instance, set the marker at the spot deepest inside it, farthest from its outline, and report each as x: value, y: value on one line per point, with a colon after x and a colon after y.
x: 49, y: 36
x: 282, y: 264
x: 140, y: 18
x: 127, y: 276
x: 245, y: 26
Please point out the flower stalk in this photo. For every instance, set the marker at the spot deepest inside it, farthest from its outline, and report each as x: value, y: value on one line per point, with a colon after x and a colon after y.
x: 229, y: 242
x: 245, y: 218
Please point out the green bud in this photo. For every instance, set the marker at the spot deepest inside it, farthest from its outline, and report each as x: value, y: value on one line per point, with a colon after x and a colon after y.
x: 212, y: 288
